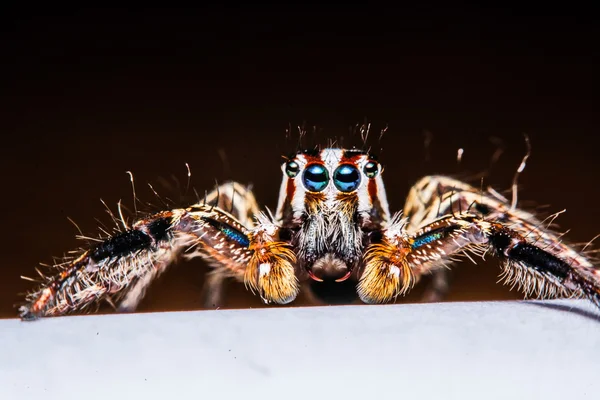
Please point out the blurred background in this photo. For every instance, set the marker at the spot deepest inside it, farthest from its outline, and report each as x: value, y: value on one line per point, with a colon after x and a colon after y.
x: 90, y: 94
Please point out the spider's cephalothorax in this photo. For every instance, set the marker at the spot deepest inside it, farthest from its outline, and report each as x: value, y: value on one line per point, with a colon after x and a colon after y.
x: 329, y: 201
x: 332, y: 224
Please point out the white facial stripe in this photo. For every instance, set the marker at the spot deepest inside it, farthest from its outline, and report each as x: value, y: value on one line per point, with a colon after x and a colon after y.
x: 297, y: 200
x: 332, y: 158
x: 364, y: 200
x: 282, y: 194
x: 382, y: 196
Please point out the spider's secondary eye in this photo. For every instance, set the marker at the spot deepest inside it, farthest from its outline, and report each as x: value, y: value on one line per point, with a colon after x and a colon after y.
x: 292, y: 168
x: 346, y: 178
x: 371, y: 169
x: 315, y: 177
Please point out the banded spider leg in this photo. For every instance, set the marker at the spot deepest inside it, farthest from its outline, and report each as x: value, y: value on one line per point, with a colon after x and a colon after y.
x: 533, y: 259
x: 123, y: 265
x: 427, y: 200
x: 241, y: 203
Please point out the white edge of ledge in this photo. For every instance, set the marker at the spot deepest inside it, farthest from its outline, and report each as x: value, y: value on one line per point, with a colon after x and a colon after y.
x: 474, y: 350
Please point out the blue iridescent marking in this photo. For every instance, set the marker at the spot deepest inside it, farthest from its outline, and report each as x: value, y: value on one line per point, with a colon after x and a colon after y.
x: 427, y: 238
x: 229, y: 231
x: 236, y: 235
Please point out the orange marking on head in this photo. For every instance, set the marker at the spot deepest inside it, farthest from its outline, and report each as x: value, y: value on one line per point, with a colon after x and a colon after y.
x: 372, y: 190
x: 310, y: 159
x: 351, y: 159
x: 290, y: 189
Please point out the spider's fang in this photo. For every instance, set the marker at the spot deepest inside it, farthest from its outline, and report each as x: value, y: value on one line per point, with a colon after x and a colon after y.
x: 313, y: 276
x: 345, y: 277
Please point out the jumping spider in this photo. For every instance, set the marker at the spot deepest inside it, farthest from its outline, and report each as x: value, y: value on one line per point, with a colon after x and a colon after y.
x: 332, y: 223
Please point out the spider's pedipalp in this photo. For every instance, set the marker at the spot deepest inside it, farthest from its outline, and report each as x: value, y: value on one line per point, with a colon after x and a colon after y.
x: 386, y: 273
x: 271, y: 269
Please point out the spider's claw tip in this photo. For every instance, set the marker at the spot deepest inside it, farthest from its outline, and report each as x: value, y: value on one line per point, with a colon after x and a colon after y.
x: 26, y: 315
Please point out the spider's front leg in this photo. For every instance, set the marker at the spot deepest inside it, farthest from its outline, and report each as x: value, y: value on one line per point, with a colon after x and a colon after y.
x: 434, y: 196
x: 241, y: 203
x: 541, y: 266
x: 121, y: 266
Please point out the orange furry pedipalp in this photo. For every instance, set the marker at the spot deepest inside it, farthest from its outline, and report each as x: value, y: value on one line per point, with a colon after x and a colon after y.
x: 271, y: 272
x: 386, y: 272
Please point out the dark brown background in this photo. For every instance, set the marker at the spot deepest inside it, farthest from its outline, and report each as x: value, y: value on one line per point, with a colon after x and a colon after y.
x: 88, y: 95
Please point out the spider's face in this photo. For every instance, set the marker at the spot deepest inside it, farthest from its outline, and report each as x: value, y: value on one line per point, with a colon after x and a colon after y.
x: 328, y: 199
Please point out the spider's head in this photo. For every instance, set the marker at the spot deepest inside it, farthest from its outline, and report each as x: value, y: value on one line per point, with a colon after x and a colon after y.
x: 328, y: 200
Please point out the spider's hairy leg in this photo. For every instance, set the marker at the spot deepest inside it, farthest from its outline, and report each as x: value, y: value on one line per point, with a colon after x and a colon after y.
x: 427, y: 199
x: 241, y: 203
x: 434, y: 196
x: 112, y: 267
x: 537, y: 269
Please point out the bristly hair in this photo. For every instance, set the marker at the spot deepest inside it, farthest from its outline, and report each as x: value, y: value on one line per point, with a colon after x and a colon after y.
x: 360, y: 136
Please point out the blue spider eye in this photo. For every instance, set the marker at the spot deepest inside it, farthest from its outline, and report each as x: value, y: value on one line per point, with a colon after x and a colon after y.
x: 315, y: 177
x: 346, y: 178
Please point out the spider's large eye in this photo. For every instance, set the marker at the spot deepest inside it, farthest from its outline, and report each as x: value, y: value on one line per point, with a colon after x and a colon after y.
x: 292, y: 168
x: 346, y: 178
x: 315, y: 177
x: 371, y: 169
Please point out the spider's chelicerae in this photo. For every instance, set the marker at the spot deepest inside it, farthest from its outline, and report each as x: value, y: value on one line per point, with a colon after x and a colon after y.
x: 333, y: 224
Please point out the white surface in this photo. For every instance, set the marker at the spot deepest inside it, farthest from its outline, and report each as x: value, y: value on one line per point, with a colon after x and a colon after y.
x: 502, y: 350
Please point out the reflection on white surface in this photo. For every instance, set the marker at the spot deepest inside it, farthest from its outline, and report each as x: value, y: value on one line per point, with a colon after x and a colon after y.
x: 494, y: 350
